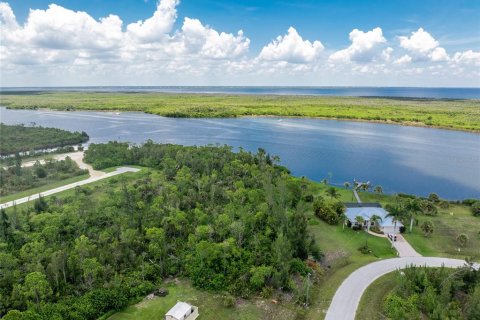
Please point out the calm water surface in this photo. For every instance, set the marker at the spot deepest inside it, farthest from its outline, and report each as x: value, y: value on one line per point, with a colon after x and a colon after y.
x: 399, y: 158
x: 399, y: 92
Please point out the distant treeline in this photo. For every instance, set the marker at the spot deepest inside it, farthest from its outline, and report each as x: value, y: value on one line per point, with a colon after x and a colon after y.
x: 454, y: 114
x: 20, y: 138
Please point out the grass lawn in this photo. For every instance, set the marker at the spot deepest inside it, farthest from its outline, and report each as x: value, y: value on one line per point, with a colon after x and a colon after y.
x: 456, y: 114
x: 370, y: 307
x: 448, y: 224
x: 209, y: 305
x: 342, y: 256
x: 48, y: 186
x: 340, y: 247
x: 94, y: 185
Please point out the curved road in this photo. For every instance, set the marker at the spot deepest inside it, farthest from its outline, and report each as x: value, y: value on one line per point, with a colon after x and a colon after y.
x: 347, y: 297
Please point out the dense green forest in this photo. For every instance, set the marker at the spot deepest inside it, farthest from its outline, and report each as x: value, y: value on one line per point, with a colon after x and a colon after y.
x: 456, y: 114
x: 17, y: 178
x: 230, y: 222
x: 20, y: 138
x: 434, y: 293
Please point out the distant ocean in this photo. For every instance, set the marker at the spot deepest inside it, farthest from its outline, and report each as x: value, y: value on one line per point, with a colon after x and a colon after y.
x: 398, y: 92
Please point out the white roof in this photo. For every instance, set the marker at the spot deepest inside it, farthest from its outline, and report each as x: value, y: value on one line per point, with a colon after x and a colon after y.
x: 367, y: 212
x: 179, y: 310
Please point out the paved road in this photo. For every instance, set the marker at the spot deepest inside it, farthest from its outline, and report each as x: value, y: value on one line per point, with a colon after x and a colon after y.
x: 95, y: 175
x: 103, y: 175
x: 345, y: 302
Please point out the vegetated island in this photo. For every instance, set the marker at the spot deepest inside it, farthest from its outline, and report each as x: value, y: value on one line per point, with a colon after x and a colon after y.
x: 235, y: 226
x: 21, y: 138
x: 441, y: 113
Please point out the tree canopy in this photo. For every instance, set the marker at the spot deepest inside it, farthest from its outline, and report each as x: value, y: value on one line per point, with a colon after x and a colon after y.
x: 229, y: 221
x: 20, y: 138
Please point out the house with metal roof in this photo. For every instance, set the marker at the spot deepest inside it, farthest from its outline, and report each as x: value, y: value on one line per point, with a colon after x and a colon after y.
x: 182, y: 311
x: 367, y: 211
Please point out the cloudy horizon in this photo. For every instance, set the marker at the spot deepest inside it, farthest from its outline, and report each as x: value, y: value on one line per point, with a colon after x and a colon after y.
x: 59, y: 46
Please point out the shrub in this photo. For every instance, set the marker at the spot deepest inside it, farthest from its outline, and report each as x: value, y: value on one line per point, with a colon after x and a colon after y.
x: 228, y: 301
x: 326, y: 212
x: 433, y: 197
x: 259, y: 276
x: 428, y: 208
x: 364, y: 249
x: 266, y: 292
x: 397, y: 307
x: 309, y: 198
x: 462, y: 239
x: 476, y: 209
x: 469, y: 202
x: 298, y: 266
x: 407, y: 196
x: 427, y: 228
x: 444, y: 204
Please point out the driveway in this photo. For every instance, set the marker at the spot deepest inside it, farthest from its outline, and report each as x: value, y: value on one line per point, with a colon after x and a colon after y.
x: 75, y: 156
x: 347, y: 297
x: 404, y: 248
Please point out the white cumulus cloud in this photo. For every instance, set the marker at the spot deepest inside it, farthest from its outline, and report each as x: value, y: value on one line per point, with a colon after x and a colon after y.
x: 291, y: 48
x: 422, y: 45
x: 197, y: 38
x: 362, y: 47
x: 468, y: 57
x: 403, y: 59
x: 59, y: 46
x: 387, y: 53
x: 157, y: 26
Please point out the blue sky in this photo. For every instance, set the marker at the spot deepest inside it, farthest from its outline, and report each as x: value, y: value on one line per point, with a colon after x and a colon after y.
x: 456, y: 23
x: 453, y: 26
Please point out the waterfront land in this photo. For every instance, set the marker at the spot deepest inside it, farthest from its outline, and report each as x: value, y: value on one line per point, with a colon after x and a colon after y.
x: 441, y: 113
x: 119, y: 218
x: 21, y: 138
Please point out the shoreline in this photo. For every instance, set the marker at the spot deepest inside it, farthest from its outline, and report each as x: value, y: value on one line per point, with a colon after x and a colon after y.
x: 387, y: 122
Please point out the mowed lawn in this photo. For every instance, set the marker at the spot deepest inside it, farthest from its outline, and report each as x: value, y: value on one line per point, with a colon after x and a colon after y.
x: 340, y: 247
x: 371, y: 304
x: 447, y: 225
x: 210, y: 306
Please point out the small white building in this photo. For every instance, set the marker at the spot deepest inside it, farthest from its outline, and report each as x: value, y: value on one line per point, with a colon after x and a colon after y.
x: 366, y: 211
x: 182, y: 311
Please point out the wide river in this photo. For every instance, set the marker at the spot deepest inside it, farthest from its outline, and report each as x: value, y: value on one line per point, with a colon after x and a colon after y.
x: 399, y: 158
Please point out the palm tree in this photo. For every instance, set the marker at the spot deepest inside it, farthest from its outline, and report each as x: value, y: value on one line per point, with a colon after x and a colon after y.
x: 396, y: 212
x: 378, y: 189
x: 360, y: 220
x: 374, y: 218
x: 346, y: 185
x: 332, y: 192
x: 413, y: 207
